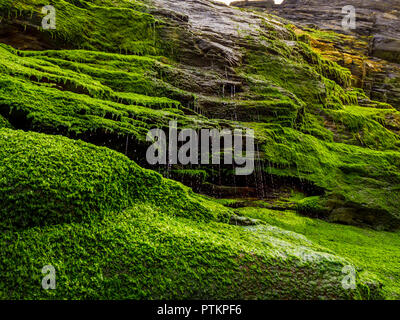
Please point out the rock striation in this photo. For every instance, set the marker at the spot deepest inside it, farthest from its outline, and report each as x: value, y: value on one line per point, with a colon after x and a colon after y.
x: 377, y: 30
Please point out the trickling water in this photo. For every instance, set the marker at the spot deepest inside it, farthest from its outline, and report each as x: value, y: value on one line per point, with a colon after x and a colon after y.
x: 219, y: 174
x: 259, y: 177
x: 154, y: 33
x: 126, y: 144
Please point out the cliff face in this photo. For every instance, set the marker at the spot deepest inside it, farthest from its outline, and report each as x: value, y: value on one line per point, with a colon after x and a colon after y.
x: 374, y: 17
x: 112, y: 70
x: 376, y: 39
x: 379, y: 20
x: 221, y: 68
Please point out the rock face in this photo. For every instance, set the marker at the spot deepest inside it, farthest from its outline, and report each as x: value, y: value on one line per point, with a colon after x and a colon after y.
x: 209, y: 65
x: 377, y: 19
x: 373, y: 17
x: 135, y: 66
x: 121, y: 243
x: 377, y: 29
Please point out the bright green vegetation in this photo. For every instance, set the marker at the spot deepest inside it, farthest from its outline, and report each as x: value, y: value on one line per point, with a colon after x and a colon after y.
x: 305, y: 115
x: 131, y: 79
x: 146, y: 253
x: 101, y: 23
x: 322, y: 135
x: 63, y: 204
x: 52, y: 180
x: 84, y: 97
x: 368, y: 125
x: 4, y: 123
x: 31, y: 88
x: 360, y: 175
x: 374, y: 252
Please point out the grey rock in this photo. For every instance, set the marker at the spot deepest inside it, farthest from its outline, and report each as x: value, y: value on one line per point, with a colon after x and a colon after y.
x: 377, y: 26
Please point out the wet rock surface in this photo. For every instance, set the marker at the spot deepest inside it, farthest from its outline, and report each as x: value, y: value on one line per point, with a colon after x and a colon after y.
x: 226, y: 68
x: 373, y: 17
x: 323, y: 149
x: 377, y: 27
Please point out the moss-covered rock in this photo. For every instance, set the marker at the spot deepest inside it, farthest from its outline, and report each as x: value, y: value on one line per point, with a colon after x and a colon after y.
x: 311, y: 206
x: 52, y: 180
x: 144, y: 252
x: 4, y: 122
x: 375, y: 253
x: 87, y: 24
x: 111, y: 71
x: 308, y: 121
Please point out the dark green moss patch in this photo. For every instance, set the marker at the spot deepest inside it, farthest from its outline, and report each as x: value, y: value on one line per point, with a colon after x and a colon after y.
x: 52, y: 180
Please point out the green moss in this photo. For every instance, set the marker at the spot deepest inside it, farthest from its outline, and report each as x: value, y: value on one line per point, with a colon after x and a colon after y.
x: 91, y: 25
x: 311, y: 78
x: 4, y: 123
x: 314, y: 125
x: 64, y: 201
x: 51, y: 180
x: 144, y: 253
x: 319, y: 145
x: 283, y: 111
x: 305, y: 116
x: 374, y: 252
x: 79, y: 95
x: 47, y: 109
x: 94, y: 73
x: 311, y: 206
x: 327, y: 68
x: 323, y: 34
x: 368, y: 178
x: 368, y: 126
x: 299, y: 79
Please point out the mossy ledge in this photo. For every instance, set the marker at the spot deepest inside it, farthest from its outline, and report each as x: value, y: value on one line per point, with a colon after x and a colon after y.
x: 53, y: 189
x: 76, y: 104
x: 53, y: 180
x: 110, y: 89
